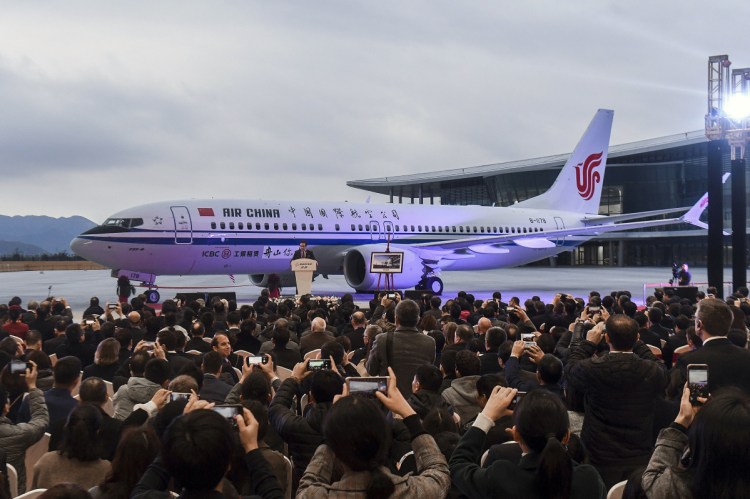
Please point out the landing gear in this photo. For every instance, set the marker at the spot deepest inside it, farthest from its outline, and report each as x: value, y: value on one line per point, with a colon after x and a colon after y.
x: 152, y: 296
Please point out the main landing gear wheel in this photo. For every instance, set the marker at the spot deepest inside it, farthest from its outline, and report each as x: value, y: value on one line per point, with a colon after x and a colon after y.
x: 152, y: 296
x: 435, y: 284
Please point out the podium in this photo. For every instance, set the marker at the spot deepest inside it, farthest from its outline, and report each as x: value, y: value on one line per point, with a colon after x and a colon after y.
x: 303, y: 269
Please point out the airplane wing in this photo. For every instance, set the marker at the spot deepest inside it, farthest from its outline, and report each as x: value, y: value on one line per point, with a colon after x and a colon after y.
x: 495, y: 243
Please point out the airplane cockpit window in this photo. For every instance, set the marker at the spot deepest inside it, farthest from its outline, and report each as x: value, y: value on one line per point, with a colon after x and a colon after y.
x: 125, y: 223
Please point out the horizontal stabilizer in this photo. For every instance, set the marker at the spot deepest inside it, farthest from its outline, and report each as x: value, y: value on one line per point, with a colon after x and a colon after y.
x: 488, y: 249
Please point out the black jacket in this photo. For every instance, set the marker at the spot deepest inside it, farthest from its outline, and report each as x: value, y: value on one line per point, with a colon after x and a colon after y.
x: 619, y: 390
x: 302, y: 434
x: 728, y: 364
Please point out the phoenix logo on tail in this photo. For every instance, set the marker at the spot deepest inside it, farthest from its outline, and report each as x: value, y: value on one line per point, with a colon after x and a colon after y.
x: 587, y: 178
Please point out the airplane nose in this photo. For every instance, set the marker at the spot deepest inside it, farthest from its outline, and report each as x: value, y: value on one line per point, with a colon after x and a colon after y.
x: 79, y: 246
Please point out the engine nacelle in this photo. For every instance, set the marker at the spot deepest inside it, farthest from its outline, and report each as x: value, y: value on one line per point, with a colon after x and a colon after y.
x: 357, y: 268
x: 261, y: 280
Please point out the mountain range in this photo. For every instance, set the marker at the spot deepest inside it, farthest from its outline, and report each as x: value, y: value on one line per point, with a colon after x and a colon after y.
x: 33, y: 235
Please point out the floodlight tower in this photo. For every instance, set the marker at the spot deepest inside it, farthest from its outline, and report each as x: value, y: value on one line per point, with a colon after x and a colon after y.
x: 718, y: 81
x: 727, y: 125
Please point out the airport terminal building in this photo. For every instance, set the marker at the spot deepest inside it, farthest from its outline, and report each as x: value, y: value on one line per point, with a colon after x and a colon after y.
x: 653, y: 174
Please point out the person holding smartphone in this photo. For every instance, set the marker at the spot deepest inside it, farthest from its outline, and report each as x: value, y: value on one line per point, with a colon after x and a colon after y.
x: 705, y: 452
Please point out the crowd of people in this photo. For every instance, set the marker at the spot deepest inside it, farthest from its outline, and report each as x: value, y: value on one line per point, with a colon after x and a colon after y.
x: 467, y: 398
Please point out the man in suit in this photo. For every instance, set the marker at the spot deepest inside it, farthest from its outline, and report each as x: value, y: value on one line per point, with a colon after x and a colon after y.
x: 213, y: 389
x: 303, y: 252
x: 357, y: 334
x: 317, y: 338
x: 728, y: 365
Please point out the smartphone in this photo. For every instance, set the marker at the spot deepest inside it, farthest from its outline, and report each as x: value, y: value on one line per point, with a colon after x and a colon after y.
x: 391, y: 296
x: 229, y: 411
x: 256, y: 360
x: 179, y: 396
x: 528, y: 340
x: 594, y: 309
x: 112, y: 306
x: 318, y: 364
x: 516, y: 400
x: 368, y: 386
x: 697, y: 382
x: 19, y: 367
x: 89, y: 322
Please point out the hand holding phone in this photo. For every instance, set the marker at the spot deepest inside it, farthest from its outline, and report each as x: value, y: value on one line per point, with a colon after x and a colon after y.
x: 697, y: 382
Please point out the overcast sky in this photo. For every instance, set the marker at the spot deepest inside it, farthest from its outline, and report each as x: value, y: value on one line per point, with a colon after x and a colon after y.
x: 107, y: 105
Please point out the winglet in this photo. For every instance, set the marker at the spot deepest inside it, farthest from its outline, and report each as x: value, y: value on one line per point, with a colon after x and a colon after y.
x: 693, y: 214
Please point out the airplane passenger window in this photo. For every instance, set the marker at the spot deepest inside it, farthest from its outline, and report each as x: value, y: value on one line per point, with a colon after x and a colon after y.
x: 482, y: 230
x: 353, y: 228
x: 524, y: 230
x: 507, y: 231
x: 433, y: 228
x: 240, y: 225
x: 419, y: 228
x: 284, y: 226
x: 231, y: 225
x: 454, y: 228
x: 276, y: 226
x: 257, y: 226
x: 397, y: 229
x: 311, y: 227
x: 412, y: 228
x: 320, y: 226
x: 304, y: 226
x: 475, y: 229
x: 265, y: 225
x: 294, y: 226
x: 359, y: 227
x: 213, y: 225
x: 223, y: 225
x: 337, y: 227
x: 461, y: 228
x: 513, y: 230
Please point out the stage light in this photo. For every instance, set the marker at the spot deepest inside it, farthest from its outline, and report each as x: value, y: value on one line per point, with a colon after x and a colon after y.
x: 737, y: 107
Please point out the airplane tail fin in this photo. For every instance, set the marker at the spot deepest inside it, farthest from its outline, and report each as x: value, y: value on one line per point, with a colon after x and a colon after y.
x: 692, y: 216
x: 578, y: 187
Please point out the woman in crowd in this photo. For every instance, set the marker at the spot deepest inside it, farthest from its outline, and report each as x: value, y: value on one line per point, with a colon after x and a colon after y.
x: 545, y: 470
x: 137, y: 448
x: 106, y: 361
x: 705, y: 452
x: 78, y: 460
x: 362, y: 451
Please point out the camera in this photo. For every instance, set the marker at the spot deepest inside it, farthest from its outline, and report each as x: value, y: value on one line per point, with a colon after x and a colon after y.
x: 318, y: 364
x: 19, y: 366
x: 229, y: 411
x: 256, y: 360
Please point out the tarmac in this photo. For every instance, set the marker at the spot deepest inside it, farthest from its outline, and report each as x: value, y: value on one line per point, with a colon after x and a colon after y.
x: 78, y: 286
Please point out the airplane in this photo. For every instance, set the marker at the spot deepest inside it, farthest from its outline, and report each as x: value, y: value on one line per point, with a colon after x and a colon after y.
x: 204, y: 237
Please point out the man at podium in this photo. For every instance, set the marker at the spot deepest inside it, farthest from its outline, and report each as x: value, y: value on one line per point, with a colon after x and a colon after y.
x: 303, y: 276
x: 303, y: 252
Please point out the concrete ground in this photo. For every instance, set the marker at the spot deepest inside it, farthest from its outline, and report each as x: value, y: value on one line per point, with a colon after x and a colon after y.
x: 79, y: 286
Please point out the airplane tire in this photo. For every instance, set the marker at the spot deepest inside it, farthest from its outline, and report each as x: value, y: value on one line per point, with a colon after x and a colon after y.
x: 435, y: 284
x: 152, y: 296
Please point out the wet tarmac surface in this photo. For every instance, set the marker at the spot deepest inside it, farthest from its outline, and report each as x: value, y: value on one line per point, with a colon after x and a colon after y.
x: 79, y: 286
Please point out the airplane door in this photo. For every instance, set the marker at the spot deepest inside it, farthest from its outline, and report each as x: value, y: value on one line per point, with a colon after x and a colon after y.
x: 388, y: 230
x: 560, y: 226
x: 375, y: 231
x: 183, y: 227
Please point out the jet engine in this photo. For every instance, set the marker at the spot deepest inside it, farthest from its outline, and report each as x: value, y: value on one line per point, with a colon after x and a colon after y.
x: 357, y: 263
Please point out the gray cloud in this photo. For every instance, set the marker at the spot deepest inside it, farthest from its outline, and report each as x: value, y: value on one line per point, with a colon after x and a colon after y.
x: 131, y: 103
